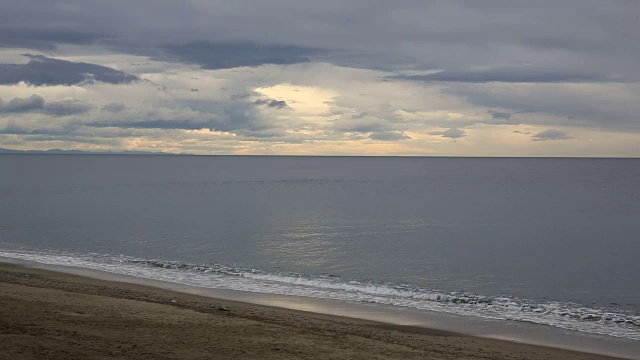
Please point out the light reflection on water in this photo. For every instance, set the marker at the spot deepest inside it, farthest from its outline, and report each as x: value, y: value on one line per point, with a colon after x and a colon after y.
x: 318, y: 244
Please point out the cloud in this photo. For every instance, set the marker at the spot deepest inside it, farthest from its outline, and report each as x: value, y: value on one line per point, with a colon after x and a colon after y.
x: 389, y: 136
x: 497, y: 115
x: 274, y: 104
x: 452, y: 133
x: 36, y: 103
x: 514, y: 75
x: 551, y: 134
x: 612, y: 105
x: 114, y: 107
x: 67, y: 107
x: 44, y: 40
x: 239, y: 117
x: 362, y: 123
x: 227, y: 55
x: 457, y: 36
x: 183, y: 124
x: 18, y: 105
x: 41, y: 70
x: 55, y: 132
x: 322, y: 72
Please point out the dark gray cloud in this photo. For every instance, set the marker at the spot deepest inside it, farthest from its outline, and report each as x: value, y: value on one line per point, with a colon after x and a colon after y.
x: 113, y: 107
x: 501, y: 117
x: 36, y: 103
x: 183, y: 124
x: 551, y: 134
x: 586, y: 39
x: 20, y: 105
x: 514, y: 75
x: 67, y: 107
x: 362, y: 124
x: 213, y: 56
x: 452, y: 133
x: 389, y: 136
x: 59, y: 132
x: 238, y: 117
x: 274, y: 104
x: 498, y: 115
x: 615, y: 106
x: 44, y: 40
x: 41, y: 70
x: 231, y: 116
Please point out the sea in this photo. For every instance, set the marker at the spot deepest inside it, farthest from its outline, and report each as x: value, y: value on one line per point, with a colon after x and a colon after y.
x: 547, y: 241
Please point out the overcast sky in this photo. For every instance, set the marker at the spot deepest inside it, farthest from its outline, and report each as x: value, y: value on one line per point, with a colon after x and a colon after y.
x: 359, y: 77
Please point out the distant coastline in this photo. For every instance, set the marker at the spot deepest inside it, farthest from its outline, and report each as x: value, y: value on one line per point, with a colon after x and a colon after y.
x: 4, y: 151
x: 82, y: 152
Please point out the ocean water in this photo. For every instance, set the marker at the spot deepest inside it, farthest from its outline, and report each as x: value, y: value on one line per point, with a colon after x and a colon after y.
x: 546, y: 241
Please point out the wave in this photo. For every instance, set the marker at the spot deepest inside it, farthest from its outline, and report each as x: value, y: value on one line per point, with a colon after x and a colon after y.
x: 563, y: 315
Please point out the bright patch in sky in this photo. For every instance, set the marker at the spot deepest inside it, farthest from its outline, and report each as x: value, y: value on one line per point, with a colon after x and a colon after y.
x: 305, y: 100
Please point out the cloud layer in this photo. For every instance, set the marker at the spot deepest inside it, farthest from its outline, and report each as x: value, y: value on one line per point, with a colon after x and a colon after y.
x: 375, y: 77
x: 41, y: 70
x: 36, y: 103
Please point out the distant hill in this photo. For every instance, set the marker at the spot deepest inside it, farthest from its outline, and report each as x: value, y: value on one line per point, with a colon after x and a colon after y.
x: 81, y: 152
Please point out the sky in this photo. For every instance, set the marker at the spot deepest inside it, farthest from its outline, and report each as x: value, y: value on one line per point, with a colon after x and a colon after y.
x: 300, y: 77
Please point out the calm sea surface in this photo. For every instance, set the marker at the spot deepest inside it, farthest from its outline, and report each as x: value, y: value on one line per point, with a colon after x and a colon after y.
x: 552, y: 241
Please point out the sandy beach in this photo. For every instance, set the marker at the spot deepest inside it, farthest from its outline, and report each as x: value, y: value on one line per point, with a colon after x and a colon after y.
x: 51, y: 315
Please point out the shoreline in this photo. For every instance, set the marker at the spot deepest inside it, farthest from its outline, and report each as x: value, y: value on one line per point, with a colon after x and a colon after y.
x: 51, y: 313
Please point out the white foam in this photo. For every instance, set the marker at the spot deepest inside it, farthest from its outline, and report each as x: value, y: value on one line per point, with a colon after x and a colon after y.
x: 558, y: 314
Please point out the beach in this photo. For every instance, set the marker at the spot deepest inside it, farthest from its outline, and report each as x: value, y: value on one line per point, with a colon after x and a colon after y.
x: 52, y: 315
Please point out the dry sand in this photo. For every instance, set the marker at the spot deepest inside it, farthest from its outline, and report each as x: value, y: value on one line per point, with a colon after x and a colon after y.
x: 50, y: 315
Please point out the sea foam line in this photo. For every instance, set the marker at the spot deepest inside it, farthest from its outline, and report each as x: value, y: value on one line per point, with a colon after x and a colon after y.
x: 568, y: 316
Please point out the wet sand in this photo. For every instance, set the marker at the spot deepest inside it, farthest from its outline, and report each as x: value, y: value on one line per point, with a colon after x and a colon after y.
x: 52, y: 315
